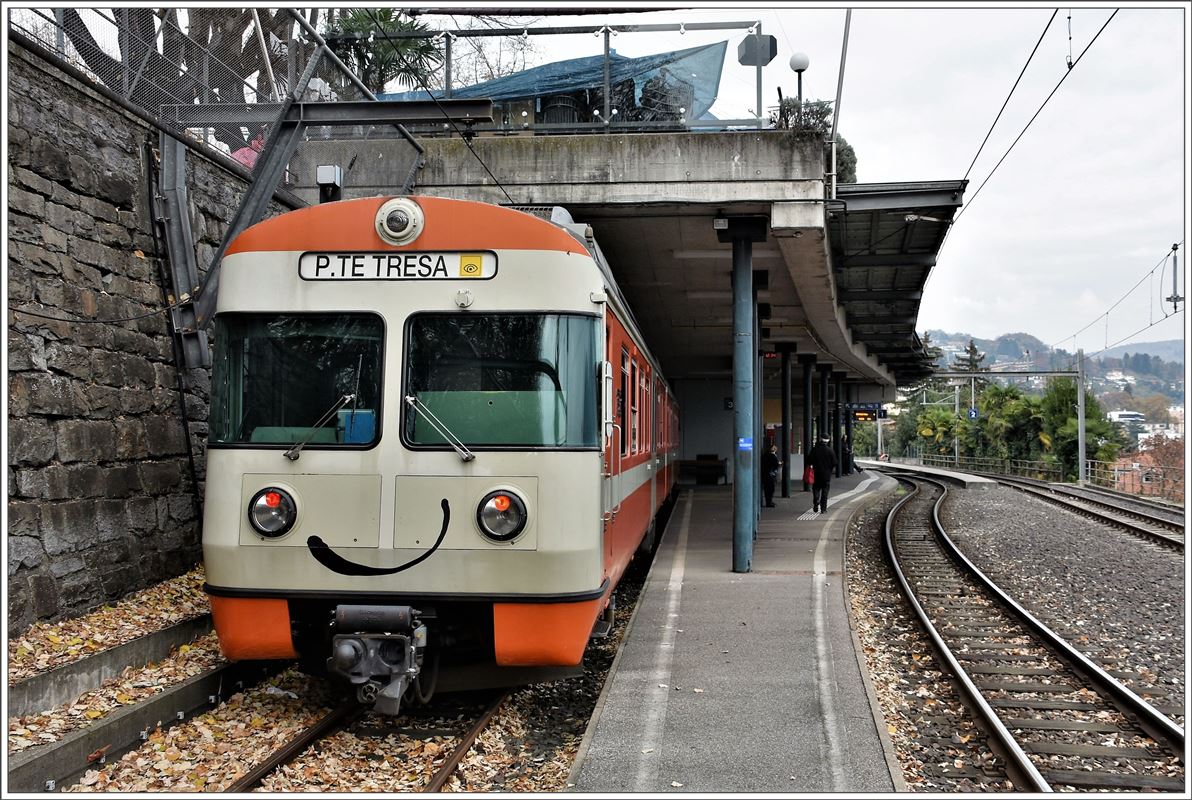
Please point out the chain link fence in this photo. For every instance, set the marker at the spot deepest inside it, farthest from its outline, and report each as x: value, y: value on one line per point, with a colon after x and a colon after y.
x: 215, y: 78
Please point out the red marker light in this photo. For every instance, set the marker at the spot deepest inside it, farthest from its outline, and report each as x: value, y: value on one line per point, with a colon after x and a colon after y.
x: 272, y: 499
x: 501, y: 502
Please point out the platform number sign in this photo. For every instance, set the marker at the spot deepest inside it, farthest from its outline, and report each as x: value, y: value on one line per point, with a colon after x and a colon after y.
x: 973, y: 414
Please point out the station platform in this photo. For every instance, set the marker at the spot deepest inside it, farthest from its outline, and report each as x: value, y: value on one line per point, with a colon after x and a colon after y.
x: 743, y: 682
x: 963, y: 478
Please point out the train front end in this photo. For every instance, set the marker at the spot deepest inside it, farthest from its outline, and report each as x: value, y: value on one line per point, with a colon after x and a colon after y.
x: 404, y: 467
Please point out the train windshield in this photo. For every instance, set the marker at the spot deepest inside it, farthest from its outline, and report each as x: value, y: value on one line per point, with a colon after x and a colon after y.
x: 503, y: 380
x: 281, y: 378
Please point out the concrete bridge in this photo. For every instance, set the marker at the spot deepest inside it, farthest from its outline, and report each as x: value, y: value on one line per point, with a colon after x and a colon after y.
x: 838, y: 280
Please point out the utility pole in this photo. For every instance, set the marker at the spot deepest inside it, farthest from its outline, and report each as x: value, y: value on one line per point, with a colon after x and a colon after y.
x: 1175, y: 284
x: 955, y: 430
x: 1080, y: 468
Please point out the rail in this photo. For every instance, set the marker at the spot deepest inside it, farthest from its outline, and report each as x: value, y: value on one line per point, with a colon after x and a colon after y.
x: 938, y: 563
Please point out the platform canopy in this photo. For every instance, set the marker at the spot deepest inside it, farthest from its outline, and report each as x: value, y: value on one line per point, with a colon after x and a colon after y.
x: 884, y: 239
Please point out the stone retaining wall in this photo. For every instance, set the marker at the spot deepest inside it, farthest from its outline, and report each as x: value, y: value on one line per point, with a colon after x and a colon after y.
x: 102, y: 500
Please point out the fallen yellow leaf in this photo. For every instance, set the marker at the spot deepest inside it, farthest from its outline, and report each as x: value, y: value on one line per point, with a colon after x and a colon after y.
x: 93, y: 714
x: 892, y: 730
x: 138, y: 253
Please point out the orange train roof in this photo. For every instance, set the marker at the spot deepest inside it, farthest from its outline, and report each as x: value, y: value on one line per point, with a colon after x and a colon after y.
x: 349, y: 225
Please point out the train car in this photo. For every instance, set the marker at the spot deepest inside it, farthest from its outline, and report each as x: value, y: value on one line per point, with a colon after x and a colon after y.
x: 437, y: 439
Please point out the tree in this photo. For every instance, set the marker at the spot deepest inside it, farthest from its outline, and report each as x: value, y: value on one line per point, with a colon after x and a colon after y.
x: 1011, y: 425
x: 1155, y: 407
x: 1166, y: 452
x: 846, y: 161
x: 378, y: 60
x: 972, y: 360
x: 937, y: 429
x: 476, y: 59
x: 1058, y: 406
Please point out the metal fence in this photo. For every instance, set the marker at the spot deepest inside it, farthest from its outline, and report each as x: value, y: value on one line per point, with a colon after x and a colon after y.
x: 1137, y: 478
x: 1039, y: 470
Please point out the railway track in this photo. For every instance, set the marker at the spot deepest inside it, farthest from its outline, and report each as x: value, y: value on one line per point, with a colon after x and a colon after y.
x: 50, y: 766
x: 1056, y: 719
x: 342, y: 717
x: 1162, y: 528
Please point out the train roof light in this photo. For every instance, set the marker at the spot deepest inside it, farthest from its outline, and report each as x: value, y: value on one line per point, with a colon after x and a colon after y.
x: 400, y: 220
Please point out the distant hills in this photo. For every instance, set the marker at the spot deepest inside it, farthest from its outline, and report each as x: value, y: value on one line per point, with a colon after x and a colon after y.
x: 1016, y: 346
x: 1137, y: 369
x: 1170, y: 350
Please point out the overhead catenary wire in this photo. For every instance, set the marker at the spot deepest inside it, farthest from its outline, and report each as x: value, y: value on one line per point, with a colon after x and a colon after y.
x: 1125, y: 339
x: 418, y: 76
x: 1105, y: 314
x: 1011, y: 94
x: 1026, y: 127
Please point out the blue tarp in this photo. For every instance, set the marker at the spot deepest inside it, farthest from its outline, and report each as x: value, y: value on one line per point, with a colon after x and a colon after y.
x: 661, y: 83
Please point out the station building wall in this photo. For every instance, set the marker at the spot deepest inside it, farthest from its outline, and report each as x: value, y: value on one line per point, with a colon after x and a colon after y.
x: 707, y: 425
x: 101, y: 496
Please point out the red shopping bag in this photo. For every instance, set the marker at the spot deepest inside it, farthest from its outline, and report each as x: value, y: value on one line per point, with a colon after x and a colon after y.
x: 809, y: 475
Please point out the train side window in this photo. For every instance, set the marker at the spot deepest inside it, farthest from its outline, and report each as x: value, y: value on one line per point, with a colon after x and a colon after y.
x: 626, y: 386
x: 648, y: 428
x: 634, y: 389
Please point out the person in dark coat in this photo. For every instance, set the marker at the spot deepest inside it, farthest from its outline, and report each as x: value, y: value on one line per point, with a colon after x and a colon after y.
x: 823, y: 462
x: 771, y: 465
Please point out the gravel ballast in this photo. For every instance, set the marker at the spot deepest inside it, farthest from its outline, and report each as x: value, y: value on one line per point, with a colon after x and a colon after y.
x: 1114, y: 596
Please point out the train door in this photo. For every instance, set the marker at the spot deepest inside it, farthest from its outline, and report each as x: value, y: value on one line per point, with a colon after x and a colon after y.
x: 616, y: 443
x: 655, y: 440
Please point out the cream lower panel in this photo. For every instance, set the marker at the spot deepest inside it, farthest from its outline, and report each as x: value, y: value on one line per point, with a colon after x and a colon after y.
x: 447, y: 572
x: 342, y: 510
x: 418, y: 511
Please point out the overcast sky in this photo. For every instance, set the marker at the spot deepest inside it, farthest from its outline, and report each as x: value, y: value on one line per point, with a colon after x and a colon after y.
x: 1087, y: 203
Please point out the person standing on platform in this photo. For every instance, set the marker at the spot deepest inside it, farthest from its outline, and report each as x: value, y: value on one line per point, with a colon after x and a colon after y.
x: 850, y: 463
x: 823, y: 463
x: 771, y: 465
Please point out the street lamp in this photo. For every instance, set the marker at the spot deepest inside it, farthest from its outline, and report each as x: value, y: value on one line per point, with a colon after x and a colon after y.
x: 800, y: 62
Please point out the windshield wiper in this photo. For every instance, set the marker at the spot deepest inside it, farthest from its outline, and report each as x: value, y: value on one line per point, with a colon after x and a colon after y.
x: 293, y: 452
x: 437, y: 424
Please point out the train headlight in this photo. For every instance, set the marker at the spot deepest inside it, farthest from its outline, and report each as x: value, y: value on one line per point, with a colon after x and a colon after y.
x: 272, y: 512
x: 400, y: 220
x: 501, y: 516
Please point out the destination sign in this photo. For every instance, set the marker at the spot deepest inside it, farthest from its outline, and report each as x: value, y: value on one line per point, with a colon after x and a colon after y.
x: 397, y: 266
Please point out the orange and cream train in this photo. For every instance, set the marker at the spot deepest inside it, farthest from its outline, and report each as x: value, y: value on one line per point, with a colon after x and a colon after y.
x: 436, y: 441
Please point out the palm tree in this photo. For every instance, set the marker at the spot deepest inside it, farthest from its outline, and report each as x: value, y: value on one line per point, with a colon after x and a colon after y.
x: 355, y: 36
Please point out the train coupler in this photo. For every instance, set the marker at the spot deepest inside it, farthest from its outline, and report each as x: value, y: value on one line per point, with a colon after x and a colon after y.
x: 379, y: 650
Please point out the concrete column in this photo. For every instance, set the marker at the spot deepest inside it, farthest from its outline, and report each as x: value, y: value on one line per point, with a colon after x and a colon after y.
x: 759, y: 419
x: 837, y: 439
x: 758, y: 413
x: 743, y: 232
x: 849, y: 392
x: 808, y: 363
x: 784, y: 447
x: 744, y: 359
x: 825, y: 409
